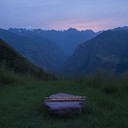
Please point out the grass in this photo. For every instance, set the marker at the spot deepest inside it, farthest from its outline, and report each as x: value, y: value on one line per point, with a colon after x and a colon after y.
x: 21, y: 102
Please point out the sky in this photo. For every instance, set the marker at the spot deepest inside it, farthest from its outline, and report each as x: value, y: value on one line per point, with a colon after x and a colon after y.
x: 63, y: 14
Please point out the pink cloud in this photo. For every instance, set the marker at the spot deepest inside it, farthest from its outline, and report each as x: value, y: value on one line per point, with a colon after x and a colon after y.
x: 81, y: 25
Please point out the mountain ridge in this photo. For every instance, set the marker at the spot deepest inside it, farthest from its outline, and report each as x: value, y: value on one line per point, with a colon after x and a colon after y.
x: 11, y: 59
x: 41, y: 52
x: 67, y: 39
x: 107, y: 51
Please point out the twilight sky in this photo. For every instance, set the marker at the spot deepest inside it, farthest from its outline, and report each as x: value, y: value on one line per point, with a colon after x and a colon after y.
x: 63, y: 14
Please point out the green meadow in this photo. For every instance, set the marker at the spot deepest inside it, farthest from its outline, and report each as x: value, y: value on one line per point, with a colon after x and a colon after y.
x: 21, y: 102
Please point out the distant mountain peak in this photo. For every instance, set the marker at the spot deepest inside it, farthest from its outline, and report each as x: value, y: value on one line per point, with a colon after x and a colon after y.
x: 124, y: 28
x: 106, y: 52
x: 72, y: 29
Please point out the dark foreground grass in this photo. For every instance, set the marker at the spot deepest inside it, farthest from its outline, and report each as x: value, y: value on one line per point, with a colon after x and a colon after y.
x: 21, y: 104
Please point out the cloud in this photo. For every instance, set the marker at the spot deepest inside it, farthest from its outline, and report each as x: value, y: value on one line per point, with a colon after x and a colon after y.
x: 80, y: 25
x: 94, y: 14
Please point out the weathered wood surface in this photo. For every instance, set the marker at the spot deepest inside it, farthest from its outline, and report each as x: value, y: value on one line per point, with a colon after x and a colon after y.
x: 63, y: 104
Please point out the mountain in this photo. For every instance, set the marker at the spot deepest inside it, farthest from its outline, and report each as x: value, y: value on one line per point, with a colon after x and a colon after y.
x: 124, y: 28
x: 41, y: 52
x: 13, y: 60
x: 67, y: 39
x: 108, y: 52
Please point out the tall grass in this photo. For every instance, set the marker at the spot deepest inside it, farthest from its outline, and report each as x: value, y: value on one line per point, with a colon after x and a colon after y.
x: 8, y: 76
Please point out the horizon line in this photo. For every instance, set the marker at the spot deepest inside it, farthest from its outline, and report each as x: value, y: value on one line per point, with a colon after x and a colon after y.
x: 48, y: 29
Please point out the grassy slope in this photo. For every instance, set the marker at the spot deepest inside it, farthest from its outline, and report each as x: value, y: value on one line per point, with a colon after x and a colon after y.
x: 18, y: 63
x: 21, y: 103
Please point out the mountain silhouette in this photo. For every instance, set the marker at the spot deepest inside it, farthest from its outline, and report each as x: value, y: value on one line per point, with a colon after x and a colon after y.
x: 67, y: 39
x: 108, y: 52
x: 41, y: 52
x: 10, y: 58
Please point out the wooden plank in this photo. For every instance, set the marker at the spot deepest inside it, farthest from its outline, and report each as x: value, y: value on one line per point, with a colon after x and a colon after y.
x: 59, y: 99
